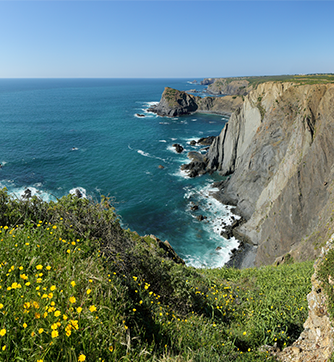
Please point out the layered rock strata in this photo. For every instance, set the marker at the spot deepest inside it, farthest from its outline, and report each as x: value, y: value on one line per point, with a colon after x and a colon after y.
x: 278, y: 153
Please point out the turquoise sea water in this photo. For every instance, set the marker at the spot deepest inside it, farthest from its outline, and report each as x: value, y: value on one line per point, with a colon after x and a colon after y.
x: 62, y: 134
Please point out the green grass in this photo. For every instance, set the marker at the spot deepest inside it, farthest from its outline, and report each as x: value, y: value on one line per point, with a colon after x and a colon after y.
x: 76, y: 286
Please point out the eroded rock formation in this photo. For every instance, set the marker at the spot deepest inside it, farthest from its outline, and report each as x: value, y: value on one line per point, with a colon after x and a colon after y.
x: 316, y: 341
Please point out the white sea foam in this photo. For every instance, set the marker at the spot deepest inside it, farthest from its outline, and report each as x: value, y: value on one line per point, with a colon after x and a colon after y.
x: 163, y: 141
x: 180, y: 173
x: 146, y: 154
x: 2, y: 163
x: 22, y: 192
x: 143, y: 153
x: 79, y: 190
x: 218, y: 216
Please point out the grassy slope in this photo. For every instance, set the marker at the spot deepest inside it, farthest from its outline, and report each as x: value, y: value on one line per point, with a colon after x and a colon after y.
x: 76, y: 286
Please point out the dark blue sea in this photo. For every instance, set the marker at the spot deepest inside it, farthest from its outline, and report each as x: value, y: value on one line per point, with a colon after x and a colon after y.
x: 61, y: 134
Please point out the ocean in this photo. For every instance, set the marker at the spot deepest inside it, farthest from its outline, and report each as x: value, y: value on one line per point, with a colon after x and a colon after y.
x: 61, y: 134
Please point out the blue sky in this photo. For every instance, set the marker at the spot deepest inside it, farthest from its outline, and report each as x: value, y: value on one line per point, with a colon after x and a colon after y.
x: 161, y: 39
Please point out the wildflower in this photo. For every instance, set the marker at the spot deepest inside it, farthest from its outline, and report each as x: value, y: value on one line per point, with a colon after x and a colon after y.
x: 41, y: 330
x: 39, y: 360
x: 48, y: 267
x: 52, y: 288
x: 79, y: 310
x: 39, y: 267
x: 111, y: 348
x: 57, y: 313
x: 2, y: 332
x: 74, y: 324
x: 54, y: 334
x: 73, y: 283
x: 4, y: 347
x: 92, y: 308
x: 244, y: 333
x: 23, y: 276
x: 54, y: 227
x: 88, y: 291
x: 25, y: 325
x: 72, y: 299
x: 1, y: 305
x: 68, y: 251
x: 32, y: 334
x: 82, y: 358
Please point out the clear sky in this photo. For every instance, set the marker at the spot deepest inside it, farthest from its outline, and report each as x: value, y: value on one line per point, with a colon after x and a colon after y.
x: 161, y: 39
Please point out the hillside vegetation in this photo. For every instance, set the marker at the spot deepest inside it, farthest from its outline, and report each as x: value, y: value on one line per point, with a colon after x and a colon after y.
x: 75, y: 286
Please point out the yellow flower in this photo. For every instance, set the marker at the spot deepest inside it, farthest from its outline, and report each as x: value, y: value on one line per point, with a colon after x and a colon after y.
x: 111, y: 348
x: 82, y: 358
x: 39, y: 360
x: 48, y: 267
x: 73, y: 283
x: 54, y: 227
x: 32, y: 334
x: 4, y: 348
x: 88, y: 291
x: 57, y: 313
x: 41, y: 330
x: 54, y: 334
x: 244, y: 333
x: 79, y: 309
x: 74, y: 324
x: 65, y: 317
x: 23, y: 276
x: 25, y: 325
x: 68, y: 251
x: 1, y: 305
x: 54, y: 326
x: 2, y: 332
x: 52, y: 288
x: 39, y: 267
x: 68, y: 332
x: 92, y: 308
x: 72, y: 299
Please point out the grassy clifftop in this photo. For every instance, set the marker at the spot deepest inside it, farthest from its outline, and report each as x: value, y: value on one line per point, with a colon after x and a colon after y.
x: 75, y: 286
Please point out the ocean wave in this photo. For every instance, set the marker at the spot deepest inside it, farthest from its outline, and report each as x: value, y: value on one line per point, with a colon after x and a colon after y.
x: 180, y: 173
x: 163, y: 141
x: 146, y: 154
x: 23, y: 191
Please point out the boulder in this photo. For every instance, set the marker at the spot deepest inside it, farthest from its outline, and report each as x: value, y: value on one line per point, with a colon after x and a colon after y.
x: 178, y: 148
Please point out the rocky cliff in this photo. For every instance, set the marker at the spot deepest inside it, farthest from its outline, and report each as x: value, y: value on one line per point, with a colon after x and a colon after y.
x: 176, y: 103
x: 278, y: 151
x: 229, y: 86
x: 316, y: 343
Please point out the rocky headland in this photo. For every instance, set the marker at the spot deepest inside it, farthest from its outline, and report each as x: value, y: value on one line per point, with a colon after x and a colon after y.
x: 176, y: 103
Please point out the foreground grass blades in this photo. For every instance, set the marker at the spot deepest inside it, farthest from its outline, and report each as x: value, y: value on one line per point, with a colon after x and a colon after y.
x: 75, y: 286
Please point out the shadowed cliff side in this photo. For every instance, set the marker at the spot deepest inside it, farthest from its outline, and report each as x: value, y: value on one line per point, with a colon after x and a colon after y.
x: 278, y: 149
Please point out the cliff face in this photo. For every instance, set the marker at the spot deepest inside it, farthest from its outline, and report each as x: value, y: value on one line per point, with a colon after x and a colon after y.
x: 278, y: 149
